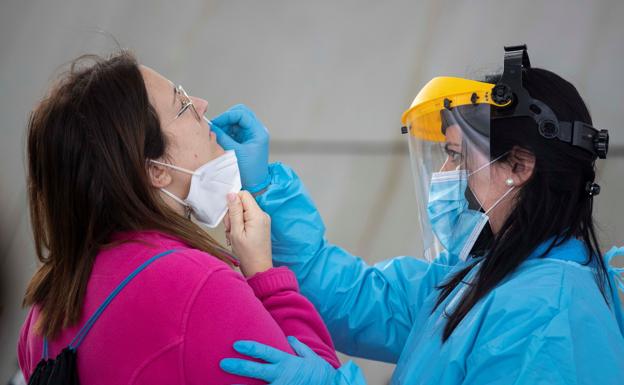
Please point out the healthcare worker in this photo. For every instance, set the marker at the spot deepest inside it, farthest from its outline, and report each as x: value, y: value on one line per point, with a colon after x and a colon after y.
x: 517, y: 290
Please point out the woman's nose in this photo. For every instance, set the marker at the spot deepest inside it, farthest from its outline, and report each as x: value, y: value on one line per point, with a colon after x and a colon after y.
x: 200, y: 104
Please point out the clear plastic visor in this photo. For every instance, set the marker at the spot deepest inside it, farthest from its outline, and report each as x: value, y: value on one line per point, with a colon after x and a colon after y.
x: 451, y: 148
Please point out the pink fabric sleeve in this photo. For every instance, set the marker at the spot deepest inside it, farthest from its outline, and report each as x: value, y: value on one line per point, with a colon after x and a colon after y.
x: 278, y: 290
x: 222, y: 310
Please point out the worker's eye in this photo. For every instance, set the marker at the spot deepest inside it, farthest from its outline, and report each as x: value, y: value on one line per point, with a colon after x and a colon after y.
x: 454, y: 156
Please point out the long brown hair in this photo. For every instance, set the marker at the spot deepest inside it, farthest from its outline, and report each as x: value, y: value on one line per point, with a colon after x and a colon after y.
x: 88, y: 142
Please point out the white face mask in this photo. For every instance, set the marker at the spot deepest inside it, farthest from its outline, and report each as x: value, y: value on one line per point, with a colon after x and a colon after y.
x: 210, y: 184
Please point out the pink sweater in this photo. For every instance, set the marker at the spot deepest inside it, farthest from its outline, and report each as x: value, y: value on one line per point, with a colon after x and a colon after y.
x: 177, y: 319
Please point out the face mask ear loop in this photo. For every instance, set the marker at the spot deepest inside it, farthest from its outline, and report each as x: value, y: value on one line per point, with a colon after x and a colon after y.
x: 175, y: 198
x: 488, y: 164
x: 500, y: 199
x: 481, y: 168
x: 187, y: 208
x: 173, y: 167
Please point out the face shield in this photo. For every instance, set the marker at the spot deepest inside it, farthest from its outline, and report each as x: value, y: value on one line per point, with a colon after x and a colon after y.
x: 449, y: 142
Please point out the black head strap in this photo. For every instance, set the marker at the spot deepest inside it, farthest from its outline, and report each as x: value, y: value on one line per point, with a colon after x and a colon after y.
x: 510, y: 92
x: 510, y: 86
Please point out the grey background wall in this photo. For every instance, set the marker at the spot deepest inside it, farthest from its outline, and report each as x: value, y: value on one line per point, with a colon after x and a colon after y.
x: 329, y: 78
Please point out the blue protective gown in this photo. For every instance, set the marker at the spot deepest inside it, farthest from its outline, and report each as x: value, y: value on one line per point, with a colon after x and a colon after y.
x: 545, y: 324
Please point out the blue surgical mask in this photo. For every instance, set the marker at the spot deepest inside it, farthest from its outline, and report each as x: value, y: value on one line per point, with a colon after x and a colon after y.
x: 456, y: 226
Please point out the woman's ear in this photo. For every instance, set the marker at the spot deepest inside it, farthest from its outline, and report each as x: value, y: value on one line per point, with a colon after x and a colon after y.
x: 159, y: 176
x: 522, y: 163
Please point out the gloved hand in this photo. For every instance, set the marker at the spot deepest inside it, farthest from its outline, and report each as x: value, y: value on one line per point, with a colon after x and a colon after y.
x: 282, y: 368
x: 238, y: 129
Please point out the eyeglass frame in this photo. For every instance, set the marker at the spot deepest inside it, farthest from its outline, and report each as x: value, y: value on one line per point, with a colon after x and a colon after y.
x: 186, y: 104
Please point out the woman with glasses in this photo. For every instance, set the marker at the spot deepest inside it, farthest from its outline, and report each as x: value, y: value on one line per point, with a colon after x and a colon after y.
x: 129, y: 289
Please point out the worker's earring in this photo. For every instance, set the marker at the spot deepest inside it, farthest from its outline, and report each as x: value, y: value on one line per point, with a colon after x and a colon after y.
x: 509, y: 182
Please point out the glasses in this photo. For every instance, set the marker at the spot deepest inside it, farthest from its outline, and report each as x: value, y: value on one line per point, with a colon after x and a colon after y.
x: 187, y: 103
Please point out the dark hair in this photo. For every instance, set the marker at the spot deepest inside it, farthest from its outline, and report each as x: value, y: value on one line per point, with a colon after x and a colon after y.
x: 88, y: 142
x: 553, y: 203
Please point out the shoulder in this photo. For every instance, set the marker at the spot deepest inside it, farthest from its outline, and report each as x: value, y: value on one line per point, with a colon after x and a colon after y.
x: 163, y: 253
x: 187, y: 270
x: 171, y: 272
x: 546, y: 281
x: 171, y: 276
x: 541, y: 293
x: 190, y: 260
x: 549, y: 311
x: 529, y: 299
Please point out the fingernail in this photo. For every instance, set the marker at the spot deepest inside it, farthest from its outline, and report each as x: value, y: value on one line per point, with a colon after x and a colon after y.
x: 231, y: 197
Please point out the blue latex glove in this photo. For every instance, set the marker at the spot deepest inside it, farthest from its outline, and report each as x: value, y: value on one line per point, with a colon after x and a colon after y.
x: 238, y: 129
x: 282, y: 368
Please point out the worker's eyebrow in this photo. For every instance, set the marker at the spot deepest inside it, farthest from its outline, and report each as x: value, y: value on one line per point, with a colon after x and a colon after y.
x: 175, y: 92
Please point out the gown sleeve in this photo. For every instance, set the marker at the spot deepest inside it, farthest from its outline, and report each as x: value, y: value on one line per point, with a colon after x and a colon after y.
x: 369, y: 310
